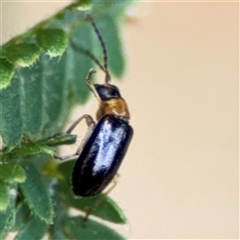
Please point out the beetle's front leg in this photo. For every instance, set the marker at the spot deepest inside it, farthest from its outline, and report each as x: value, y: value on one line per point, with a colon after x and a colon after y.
x: 91, y: 124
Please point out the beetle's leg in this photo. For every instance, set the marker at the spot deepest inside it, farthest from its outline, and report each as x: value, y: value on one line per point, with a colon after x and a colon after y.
x: 89, y: 121
x: 90, y: 84
x: 65, y: 157
x: 91, y: 124
x: 86, y: 137
x: 99, y: 200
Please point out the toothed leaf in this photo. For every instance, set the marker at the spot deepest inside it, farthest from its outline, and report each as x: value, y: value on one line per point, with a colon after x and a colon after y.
x: 36, y: 193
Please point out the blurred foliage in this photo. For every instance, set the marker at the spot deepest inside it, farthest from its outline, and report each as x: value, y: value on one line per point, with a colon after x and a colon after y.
x: 41, y: 78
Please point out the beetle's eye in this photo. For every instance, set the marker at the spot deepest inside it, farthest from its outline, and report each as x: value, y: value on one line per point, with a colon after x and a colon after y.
x: 113, y: 90
x: 107, y: 92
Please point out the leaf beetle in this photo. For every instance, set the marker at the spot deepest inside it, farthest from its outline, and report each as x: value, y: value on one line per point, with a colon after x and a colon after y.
x: 106, y: 142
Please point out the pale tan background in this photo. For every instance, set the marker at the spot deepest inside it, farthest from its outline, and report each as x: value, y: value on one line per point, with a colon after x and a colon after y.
x: 180, y: 177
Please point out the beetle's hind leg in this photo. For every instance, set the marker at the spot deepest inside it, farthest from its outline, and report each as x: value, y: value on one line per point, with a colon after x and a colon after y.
x: 91, y: 124
x: 98, y: 201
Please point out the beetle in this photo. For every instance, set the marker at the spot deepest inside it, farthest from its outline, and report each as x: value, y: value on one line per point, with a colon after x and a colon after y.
x: 106, y: 142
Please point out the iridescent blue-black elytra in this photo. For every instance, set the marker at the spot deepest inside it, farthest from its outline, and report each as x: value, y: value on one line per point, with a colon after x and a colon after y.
x: 101, y: 156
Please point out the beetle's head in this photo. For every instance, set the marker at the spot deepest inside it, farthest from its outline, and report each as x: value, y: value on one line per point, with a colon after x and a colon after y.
x: 107, y: 91
x: 111, y: 101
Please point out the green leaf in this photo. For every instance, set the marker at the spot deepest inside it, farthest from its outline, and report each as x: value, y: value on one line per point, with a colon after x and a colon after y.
x: 107, y: 209
x: 4, y: 195
x: 54, y: 46
x: 7, y: 218
x: 55, y: 89
x: 45, y: 145
x: 36, y: 194
x: 12, y: 172
x: 10, y: 114
x: 22, y: 216
x: 82, y: 37
x: 85, y: 5
x: 56, y: 232
x: 31, y: 97
x: 35, y: 149
x: 61, y: 139
x: 56, y: 229
x: 6, y: 73
x: 34, y: 229
x: 93, y: 230
x: 23, y: 54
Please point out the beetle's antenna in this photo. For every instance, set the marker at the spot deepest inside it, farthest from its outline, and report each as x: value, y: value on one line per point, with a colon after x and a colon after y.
x: 104, y: 49
x: 91, y: 85
x: 88, y: 53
